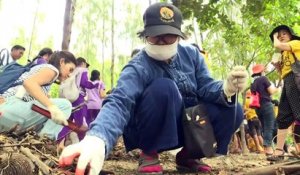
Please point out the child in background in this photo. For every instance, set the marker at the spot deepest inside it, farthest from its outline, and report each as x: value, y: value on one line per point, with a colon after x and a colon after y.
x: 43, y: 56
x: 95, y: 97
x: 254, y: 124
x: 83, y: 83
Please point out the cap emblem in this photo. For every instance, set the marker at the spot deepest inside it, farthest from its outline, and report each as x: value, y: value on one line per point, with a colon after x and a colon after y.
x: 166, y: 14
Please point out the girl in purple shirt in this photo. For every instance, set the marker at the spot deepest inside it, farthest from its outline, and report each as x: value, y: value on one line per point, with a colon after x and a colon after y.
x: 95, y: 97
x: 83, y: 83
x: 43, y: 56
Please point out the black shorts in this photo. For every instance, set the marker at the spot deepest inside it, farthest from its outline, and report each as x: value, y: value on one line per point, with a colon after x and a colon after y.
x: 254, y: 127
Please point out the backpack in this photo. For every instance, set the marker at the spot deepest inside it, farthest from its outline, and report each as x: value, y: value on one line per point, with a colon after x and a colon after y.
x: 4, y: 57
x: 10, y: 73
x: 69, y: 89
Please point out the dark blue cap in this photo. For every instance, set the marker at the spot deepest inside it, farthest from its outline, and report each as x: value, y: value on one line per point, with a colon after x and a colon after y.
x: 162, y: 18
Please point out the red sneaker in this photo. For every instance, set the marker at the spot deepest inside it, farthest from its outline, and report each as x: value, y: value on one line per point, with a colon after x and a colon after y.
x: 149, y: 165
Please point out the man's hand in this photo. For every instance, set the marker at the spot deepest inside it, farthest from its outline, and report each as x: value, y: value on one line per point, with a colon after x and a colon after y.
x: 236, y: 81
x: 91, y: 151
x: 57, y: 115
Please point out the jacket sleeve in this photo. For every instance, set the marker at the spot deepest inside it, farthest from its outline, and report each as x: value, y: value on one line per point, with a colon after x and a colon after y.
x: 118, y: 107
x: 209, y: 89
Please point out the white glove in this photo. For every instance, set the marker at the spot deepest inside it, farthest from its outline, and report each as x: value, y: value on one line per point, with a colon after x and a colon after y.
x: 57, y: 115
x: 21, y: 91
x: 91, y: 151
x: 236, y: 81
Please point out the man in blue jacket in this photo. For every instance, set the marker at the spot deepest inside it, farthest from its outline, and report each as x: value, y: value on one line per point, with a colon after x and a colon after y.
x: 146, y: 105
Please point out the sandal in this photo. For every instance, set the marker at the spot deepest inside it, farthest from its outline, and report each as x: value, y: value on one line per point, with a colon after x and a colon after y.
x: 185, y: 164
x: 192, y: 166
x: 269, y: 154
x: 276, y: 158
x: 149, y: 165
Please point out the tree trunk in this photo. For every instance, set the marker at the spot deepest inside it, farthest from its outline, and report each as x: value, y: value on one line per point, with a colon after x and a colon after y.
x: 103, y: 46
x: 68, y: 20
x: 33, y: 30
x: 112, y: 44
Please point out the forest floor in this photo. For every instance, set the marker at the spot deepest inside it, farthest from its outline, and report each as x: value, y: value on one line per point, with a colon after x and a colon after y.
x: 232, y: 164
x: 33, y: 155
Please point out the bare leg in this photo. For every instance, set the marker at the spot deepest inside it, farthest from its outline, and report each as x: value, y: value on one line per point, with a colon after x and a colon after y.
x: 261, y: 140
x: 257, y: 144
x: 281, y: 135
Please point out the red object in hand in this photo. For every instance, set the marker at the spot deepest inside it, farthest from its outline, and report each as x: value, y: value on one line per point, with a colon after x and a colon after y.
x: 47, y: 114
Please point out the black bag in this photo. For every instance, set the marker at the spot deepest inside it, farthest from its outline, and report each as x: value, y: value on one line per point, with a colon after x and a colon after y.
x: 199, y: 139
x: 296, y: 71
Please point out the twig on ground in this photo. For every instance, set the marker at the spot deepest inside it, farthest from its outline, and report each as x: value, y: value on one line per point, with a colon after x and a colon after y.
x: 42, y: 166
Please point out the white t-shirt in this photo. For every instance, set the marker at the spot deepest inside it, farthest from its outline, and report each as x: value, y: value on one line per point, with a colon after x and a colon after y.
x: 46, y: 88
x: 5, y: 57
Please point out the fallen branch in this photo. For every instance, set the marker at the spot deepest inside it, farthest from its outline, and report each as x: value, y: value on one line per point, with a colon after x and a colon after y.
x: 20, y: 144
x: 287, y: 169
x: 272, y: 169
x: 42, y: 166
x: 49, y: 156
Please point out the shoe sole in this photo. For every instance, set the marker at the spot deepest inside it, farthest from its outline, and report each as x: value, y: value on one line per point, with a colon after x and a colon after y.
x: 157, y: 173
x: 275, y: 159
x: 182, y: 169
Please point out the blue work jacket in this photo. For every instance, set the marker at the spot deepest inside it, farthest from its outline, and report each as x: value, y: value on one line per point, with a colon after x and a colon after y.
x: 187, y: 68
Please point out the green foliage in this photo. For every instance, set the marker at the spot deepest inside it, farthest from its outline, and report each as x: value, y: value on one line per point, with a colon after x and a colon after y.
x: 289, y: 139
x: 235, y: 31
x: 238, y: 30
x: 54, y: 91
x: 92, y: 20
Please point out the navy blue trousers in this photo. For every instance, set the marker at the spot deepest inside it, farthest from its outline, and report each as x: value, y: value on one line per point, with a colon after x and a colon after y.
x: 156, y: 124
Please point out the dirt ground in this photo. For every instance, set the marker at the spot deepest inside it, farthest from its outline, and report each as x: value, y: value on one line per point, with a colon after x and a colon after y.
x: 233, y: 164
x: 39, y: 156
x: 122, y: 163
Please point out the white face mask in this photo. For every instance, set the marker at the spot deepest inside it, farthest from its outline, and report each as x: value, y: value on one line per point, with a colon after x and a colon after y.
x: 162, y: 52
